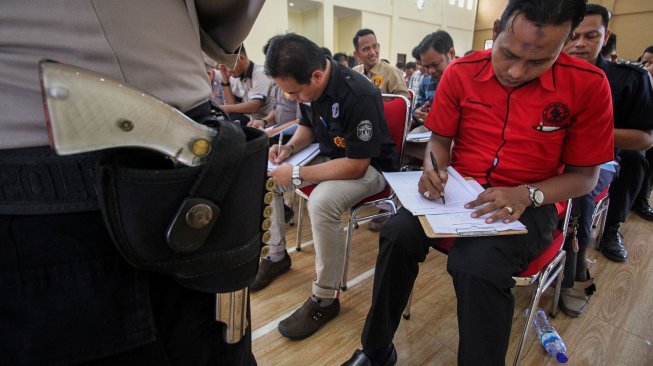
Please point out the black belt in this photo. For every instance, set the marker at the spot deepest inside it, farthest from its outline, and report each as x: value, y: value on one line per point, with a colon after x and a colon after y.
x: 36, y: 181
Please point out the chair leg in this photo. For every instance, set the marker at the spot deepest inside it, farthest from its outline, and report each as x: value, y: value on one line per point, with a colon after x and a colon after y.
x: 300, y: 222
x: 558, y: 286
x: 292, y: 206
x: 350, y: 234
x: 406, y: 313
x: 601, y: 222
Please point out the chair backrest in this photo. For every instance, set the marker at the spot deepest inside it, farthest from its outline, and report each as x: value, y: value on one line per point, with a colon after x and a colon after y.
x: 397, y: 115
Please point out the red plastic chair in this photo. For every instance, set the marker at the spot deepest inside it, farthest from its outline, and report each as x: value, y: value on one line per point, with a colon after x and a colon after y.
x: 547, y: 267
x: 396, y: 109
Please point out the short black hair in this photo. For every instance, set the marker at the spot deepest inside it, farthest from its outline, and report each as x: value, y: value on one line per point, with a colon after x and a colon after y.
x: 596, y: 9
x: 362, y: 33
x: 610, y: 46
x: 339, y: 56
x: 291, y: 55
x: 411, y: 65
x: 326, y: 51
x: 648, y: 49
x: 415, y: 53
x: 545, y: 12
x: 440, y: 41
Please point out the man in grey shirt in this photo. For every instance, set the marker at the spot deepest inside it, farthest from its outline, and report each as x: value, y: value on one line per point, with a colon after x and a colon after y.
x: 68, y: 296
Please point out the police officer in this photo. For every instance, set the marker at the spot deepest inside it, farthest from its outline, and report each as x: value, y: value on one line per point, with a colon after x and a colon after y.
x: 344, y: 112
x: 68, y: 296
x: 633, y: 134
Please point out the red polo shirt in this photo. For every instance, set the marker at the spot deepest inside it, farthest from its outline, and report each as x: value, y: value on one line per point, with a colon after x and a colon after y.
x: 508, y: 137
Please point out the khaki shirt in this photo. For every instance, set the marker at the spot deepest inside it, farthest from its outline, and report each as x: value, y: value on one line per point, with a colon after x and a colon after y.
x: 387, y: 78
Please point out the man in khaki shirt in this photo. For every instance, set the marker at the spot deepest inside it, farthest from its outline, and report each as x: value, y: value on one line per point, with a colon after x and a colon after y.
x: 386, y: 77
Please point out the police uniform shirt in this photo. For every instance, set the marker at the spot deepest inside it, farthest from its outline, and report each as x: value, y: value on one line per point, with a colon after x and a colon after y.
x: 348, y: 120
x: 632, y: 99
x: 163, y: 57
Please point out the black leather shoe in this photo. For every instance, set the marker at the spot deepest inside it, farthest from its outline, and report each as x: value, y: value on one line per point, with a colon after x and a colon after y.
x: 644, y: 210
x: 612, y: 245
x: 359, y: 358
x: 268, y: 270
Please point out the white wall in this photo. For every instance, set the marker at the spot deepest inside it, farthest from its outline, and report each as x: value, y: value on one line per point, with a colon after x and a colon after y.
x: 272, y: 20
x: 398, y: 24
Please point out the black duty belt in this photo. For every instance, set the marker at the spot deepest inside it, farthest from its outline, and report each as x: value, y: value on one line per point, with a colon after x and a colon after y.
x: 36, y: 181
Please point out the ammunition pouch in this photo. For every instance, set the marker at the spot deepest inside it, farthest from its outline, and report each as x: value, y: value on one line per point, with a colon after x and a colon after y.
x: 201, y: 225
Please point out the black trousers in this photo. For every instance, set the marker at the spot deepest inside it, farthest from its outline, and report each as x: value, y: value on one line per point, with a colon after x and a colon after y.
x: 626, y: 186
x: 647, y: 186
x: 68, y: 297
x: 582, y: 209
x: 482, y: 270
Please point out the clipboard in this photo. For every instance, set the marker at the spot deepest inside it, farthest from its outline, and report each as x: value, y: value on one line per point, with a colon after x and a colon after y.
x: 428, y: 230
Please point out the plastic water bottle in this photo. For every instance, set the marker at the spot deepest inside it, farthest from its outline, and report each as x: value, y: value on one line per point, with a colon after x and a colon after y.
x: 549, y: 337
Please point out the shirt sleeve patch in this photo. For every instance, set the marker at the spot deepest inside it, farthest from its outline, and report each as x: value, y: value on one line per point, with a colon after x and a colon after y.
x: 364, y: 130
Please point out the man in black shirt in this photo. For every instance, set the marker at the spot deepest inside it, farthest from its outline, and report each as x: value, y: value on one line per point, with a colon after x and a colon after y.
x: 343, y: 111
x: 633, y: 134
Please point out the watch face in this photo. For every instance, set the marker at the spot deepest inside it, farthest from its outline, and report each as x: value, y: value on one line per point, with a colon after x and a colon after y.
x: 296, y: 181
x: 538, y: 196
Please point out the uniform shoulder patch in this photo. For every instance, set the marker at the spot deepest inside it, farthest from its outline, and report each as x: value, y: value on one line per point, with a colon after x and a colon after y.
x: 364, y: 130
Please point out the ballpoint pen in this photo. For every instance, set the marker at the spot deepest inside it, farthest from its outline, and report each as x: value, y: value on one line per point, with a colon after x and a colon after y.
x: 280, y: 143
x: 434, y: 162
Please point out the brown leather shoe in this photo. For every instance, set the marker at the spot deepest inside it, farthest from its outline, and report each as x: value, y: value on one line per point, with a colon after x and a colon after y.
x: 308, y: 319
x: 269, y: 270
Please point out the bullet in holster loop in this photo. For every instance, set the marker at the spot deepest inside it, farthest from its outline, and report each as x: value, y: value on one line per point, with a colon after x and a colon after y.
x: 267, y: 199
x: 267, y: 211
x: 231, y: 309
x: 267, y: 223
x: 266, y: 237
x: 265, y: 250
x: 270, y: 184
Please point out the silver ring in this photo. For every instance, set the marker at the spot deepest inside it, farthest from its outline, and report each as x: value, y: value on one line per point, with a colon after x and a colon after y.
x: 509, y: 209
x: 426, y: 194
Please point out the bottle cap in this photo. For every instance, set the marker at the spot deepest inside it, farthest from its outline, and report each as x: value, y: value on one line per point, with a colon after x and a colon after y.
x: 561, y: 357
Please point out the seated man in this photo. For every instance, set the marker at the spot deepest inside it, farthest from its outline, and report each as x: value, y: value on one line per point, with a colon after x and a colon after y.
x: 246, y: 90
x: 418, y: 75
x: 436, y: 52
x: 533, y: 137
x: 633, y: 133
x: 344, y: 113
x: 388, y: 78
x: 642, y: 207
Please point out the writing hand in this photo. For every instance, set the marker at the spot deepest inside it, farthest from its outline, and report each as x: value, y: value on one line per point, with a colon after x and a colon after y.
x: 256, y: 123
x: 432, y: 182
x: 278, y: 155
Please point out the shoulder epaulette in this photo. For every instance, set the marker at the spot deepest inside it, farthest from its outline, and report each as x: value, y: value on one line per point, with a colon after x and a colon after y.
x: 631, y: 65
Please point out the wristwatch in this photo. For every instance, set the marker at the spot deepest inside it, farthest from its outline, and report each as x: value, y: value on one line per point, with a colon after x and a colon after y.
x: 296, y: 180
x: 536, y: 195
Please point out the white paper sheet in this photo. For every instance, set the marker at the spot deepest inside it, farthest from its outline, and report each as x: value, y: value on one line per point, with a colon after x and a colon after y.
x: 301, y: 158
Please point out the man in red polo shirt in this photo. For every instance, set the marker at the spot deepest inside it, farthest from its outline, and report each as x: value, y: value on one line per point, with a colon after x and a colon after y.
x: 532, y: 125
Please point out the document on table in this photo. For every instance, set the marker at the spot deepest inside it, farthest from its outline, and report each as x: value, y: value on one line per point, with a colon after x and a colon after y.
x: 288, y: 131
x: 301, y: 157
x: 452, y: 218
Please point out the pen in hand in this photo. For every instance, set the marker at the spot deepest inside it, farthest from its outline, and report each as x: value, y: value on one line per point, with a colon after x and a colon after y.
x: 434, y: 162
x: 280, y: 143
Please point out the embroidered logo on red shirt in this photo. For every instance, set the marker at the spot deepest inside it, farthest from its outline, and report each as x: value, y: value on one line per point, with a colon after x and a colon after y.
x: 553, y: 115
